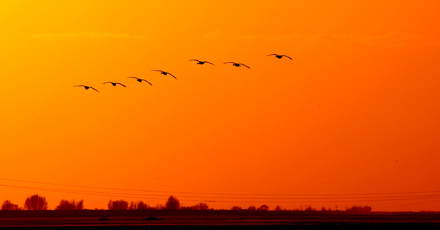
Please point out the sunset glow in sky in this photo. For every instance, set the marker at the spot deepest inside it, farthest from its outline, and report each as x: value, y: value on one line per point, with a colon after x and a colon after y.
x: 352, y: 119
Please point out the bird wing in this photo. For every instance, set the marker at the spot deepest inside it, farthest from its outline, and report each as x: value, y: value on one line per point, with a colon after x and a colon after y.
x: 244, y: 65
x: 272, y: 54
x: 172, y: 75
x: 79, y: 86
x: 194, y: 60
x: 209, y: 62
x: 93, y: 89
x: 121, y: 84
x: 157, y: 70
x: 107, y: 82
x: 133, y: 77
x: 147, y: 82
x: 229, y: 62
x: 287, y: 57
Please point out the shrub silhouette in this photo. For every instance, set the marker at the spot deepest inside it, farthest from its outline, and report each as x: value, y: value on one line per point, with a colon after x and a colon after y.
x: 252, y: 208
x: 117, y: 205
x: 35, y: 202
x: 172, y: 203
x: 201, y: 206
x: 80, y: 205
x: 70, y: 205
x: 263, y: 208
x: 236, y: 208
x: 140, y: 205
x: 159, y: 207
x: 359, y: 209
x: 8, y: 205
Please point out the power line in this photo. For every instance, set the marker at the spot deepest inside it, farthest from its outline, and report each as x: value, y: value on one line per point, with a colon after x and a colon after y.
x: 225, y: 194
x: 371, y: 197
x: 85, y: 192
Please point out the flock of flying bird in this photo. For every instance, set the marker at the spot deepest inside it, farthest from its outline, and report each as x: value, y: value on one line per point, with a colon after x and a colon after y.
x: 236, y: 64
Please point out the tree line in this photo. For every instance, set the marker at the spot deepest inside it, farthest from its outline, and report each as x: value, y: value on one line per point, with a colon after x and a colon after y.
x: 37, y: 202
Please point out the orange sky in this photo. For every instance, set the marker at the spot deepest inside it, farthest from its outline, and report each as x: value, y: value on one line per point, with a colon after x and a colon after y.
x: 351, y: 120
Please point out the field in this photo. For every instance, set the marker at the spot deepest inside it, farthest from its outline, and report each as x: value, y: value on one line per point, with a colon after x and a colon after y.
x: 100, y: 218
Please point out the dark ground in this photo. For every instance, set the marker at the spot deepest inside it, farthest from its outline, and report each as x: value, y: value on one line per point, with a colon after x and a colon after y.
x: 218, y: 218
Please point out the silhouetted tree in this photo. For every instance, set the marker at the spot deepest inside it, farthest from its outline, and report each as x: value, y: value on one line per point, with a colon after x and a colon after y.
x: 359, y: 209
x: 252, y: 208
x: 70, y: 205
x: 278, y: 208
x: 117, y: 205
x: 8, y: 205
x: 132, y: 206
x: 80, y: 205
x: 138, y: 205
x: 35, y: 202
x: 142, y: 205
x: 201, y: 206
x: 263, y: 208
x: 236, y: 208
x: 172, y: 203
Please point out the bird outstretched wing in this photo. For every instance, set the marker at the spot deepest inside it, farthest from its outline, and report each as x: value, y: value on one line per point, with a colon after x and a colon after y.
x: 147, y: 82
x: 287, y: 57
x: 244, y: 65
x: 94, y: 89
x: 121, y: 84
x: 86, y: 87
x: 172, y: 75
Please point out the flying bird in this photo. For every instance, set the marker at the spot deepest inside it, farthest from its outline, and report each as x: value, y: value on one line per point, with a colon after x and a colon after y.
x: 141, y: 80
x: 86, y: 87
x: 280, y: 56
x: 164, y: 73
x: 237, y: 64
x: 114, y: 83
x: 201, y: 62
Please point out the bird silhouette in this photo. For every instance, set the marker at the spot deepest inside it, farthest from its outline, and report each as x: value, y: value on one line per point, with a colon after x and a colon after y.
x: 280, y: 56
x: 114, y: 83
x: 141, y: 80
x: 86, y: 87
x: 201, y: 62
x: 237, y: 64
x: 164, y: 73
